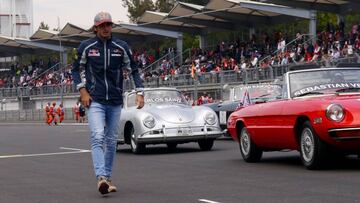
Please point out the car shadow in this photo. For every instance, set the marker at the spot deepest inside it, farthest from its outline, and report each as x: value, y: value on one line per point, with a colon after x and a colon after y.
x: 292, y: 160
x: 155, y: 150
x: 345, y: 163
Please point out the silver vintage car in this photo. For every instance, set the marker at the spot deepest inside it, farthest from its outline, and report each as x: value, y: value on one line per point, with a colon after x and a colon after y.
x: 166, y: 118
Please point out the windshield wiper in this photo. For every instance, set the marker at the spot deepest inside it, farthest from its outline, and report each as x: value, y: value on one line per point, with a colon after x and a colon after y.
x: 263, y: 95
x: 350, y: 89
x: 309, y: 93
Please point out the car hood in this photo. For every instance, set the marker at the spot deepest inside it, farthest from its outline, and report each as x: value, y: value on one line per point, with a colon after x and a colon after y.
x: 345, y: 99
x: 173, y: 113
x: 333, y: 97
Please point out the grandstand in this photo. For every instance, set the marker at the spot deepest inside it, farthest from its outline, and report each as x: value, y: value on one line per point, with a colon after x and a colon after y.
x: 205, y: 70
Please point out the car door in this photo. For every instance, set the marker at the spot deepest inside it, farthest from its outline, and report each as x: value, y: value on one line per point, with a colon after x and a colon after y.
x: 266, y: 126
x: 129, y: 101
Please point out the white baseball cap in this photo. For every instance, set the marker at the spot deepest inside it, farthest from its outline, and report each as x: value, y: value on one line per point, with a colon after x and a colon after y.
x: 102, y: 17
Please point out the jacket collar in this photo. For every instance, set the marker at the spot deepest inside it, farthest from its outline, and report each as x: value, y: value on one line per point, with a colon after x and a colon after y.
x: 101, y: 41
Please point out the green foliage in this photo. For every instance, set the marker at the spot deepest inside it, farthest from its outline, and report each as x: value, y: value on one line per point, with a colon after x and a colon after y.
x: 71, y: 55
x: 190, y: 41
x: 28, y: 58
x: 198, y: 2
x: 213, y: 39
x: 163, y: 6
x: 43, y: 26
x: 137, y: 7
x: 350, y: 20
x: 324, y: 18
x: 166, y: 43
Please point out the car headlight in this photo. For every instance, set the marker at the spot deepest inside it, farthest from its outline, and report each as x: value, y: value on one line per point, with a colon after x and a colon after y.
x: 210, y: 118
x: 149, y: 121
x: 335, y: 112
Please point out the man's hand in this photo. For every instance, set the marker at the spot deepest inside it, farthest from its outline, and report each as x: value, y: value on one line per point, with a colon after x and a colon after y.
x: 85, y: 97
x: 139, y: 101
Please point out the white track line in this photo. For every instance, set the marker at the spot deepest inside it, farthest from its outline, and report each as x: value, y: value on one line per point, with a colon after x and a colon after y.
x: 208, y: 201
x: 74, y: 149
x: 77, y: 151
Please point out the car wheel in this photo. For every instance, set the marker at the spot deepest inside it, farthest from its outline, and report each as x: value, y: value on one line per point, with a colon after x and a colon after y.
x: 249, y: 151
x: 313, y: 151
x: 206, y: 145
x: 171, y: 146
x: 136, y: 148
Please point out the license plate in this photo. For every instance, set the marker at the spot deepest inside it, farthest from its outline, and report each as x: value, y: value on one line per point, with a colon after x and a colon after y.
x: 184, y: 131
x: 222, y: 117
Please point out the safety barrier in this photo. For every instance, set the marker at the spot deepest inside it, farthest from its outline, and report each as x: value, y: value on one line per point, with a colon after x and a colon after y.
x: 32, y: 115
x: 251, y: 75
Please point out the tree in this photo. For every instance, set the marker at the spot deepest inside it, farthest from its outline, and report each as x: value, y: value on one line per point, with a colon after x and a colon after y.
x: 167, y: 5
x: 137, y: 7
x: 43, y: 26
x: 198, y: 2
x: 164, y: 5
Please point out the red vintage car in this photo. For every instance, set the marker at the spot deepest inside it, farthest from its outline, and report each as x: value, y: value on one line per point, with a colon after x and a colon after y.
x: 318, y: 115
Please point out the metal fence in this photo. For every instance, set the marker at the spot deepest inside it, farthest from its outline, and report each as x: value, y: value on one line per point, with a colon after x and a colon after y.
x: 183, y: 80
x: 208, y: 79
x: 209, y: 82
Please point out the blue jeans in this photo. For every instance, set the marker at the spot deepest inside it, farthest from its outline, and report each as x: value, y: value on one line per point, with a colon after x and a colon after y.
x: 104, y: 126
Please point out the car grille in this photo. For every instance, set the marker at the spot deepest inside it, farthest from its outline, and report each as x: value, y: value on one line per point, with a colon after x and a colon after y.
x: 345, y: 133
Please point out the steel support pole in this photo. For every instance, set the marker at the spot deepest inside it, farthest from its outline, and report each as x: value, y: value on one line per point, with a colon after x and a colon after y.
x: 179, y: 47
x: 312, y: 25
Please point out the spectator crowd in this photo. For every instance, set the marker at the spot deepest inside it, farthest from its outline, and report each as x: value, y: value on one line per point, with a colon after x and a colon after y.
x: 330, y: 45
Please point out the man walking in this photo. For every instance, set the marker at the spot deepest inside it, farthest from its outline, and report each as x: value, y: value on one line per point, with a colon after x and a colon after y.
x: 104, y: 57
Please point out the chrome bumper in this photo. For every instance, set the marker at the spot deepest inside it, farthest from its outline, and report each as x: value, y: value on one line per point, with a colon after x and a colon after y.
x: 179, y: 134
x: 345, y: 133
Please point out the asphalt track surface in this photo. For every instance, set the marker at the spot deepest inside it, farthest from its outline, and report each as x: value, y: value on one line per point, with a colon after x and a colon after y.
x: 53, y: 164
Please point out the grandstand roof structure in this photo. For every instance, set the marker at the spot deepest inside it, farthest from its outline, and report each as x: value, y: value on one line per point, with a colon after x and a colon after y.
x: 188, y: 18
x: 221, y: 14
x: 125, y: 31
x: 53, y: 37
x: 334, y: 6
x: 10, y: 47
x: 192, y: 14
x: 71, y: 36
x: 159, y: 20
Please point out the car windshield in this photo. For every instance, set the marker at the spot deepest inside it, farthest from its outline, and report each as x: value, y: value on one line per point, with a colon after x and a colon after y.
x: 156, y: 97
x: 263, y: 91
x: 324, y: 81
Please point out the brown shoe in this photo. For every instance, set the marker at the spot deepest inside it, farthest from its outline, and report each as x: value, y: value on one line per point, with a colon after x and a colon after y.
x: 103, y: 185
x: 112, y: 188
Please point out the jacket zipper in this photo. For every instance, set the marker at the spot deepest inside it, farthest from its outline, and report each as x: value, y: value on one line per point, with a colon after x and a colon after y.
x: 106, y: 84
x: 92, y: 78
x: 118, y: 79
x: 109, y: 57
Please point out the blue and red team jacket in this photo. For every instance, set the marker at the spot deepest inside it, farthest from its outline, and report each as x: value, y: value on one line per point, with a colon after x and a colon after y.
x: 104, y: 63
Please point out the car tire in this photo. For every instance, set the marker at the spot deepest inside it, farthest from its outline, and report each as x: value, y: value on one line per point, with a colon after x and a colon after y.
x: 171, y: 146
x: 313, y: 151
x: 249, y: 150
x: 136, y: 148
x: 206, y: 145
